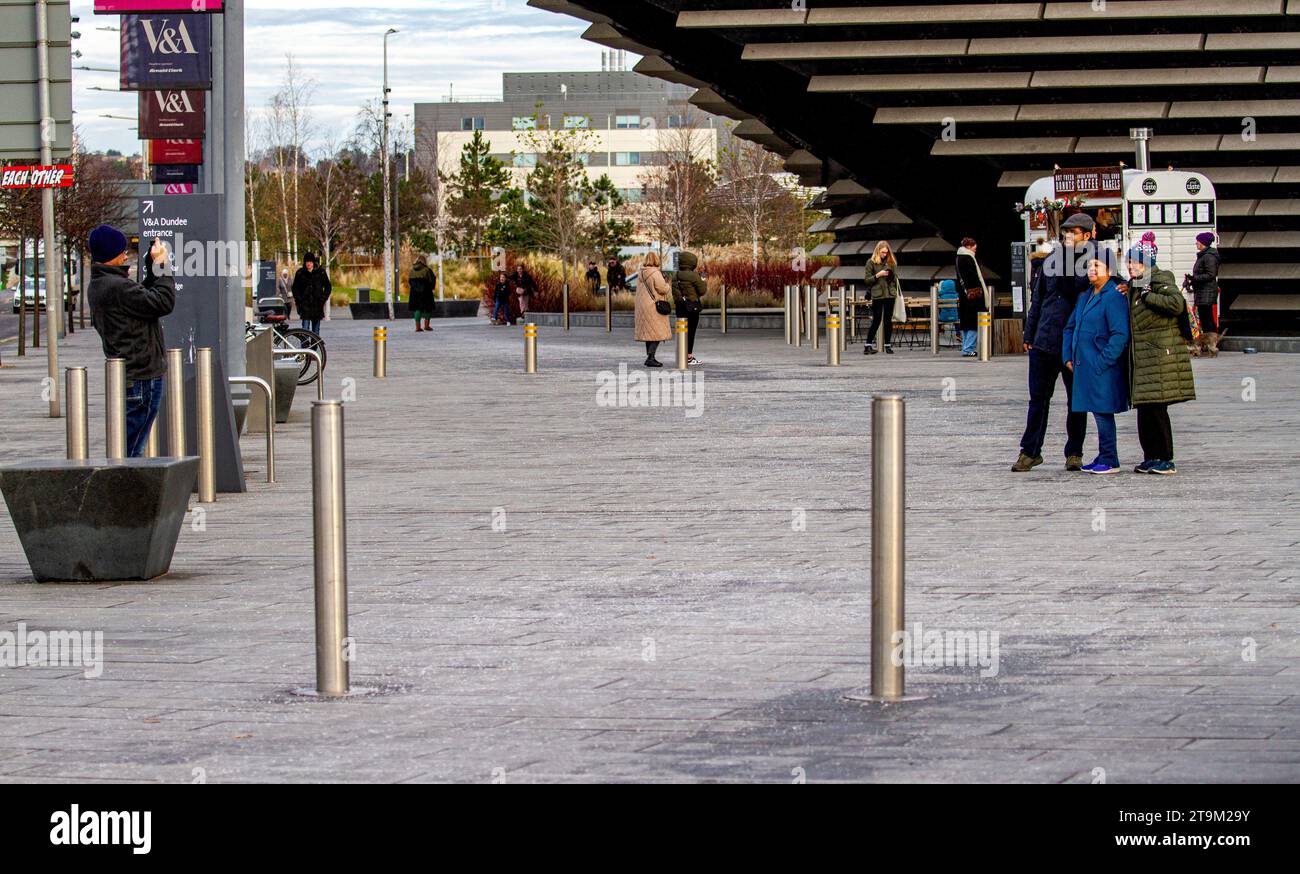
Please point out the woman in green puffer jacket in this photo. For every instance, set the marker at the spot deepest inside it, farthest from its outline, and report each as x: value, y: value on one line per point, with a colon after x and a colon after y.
x: 1160, y: 369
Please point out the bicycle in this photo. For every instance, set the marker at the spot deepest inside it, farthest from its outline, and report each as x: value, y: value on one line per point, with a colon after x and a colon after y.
x: 272, y: 312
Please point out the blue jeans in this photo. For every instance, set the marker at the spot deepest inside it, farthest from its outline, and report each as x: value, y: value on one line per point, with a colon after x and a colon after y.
x: 501, y: 310
x: 968, y: 339
x: 142, y: 400
x: 1107, y: 449
x: 312, y: 325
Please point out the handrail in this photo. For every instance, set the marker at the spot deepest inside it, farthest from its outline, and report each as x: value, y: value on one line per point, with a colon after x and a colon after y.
x: 320, y: 366
x: 257, y: 382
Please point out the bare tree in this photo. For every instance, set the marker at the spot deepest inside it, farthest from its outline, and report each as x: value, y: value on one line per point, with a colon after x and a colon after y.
x: 331, y: 186
x: 679, y: 186
x: 291, y: 129
x: 558, y: 188
x: 749, y: 192
x: 254, y: 137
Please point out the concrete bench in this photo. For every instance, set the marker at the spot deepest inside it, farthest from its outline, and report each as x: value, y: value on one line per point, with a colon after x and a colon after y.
x: 99, y: 520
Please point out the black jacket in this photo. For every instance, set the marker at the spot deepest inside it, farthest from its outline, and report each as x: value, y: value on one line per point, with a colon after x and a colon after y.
x: 126, y: 314
x: 617, y: 276
x: 968, y: 277
x: 1205, y: 277
x: 1056, y: 288
x: 311, y: 291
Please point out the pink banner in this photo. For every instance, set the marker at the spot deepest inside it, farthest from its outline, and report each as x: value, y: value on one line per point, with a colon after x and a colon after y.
x: 178, y: 188
x: 117, y: 7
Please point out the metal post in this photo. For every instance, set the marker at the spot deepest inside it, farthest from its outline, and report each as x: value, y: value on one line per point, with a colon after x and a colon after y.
x: 814, y: 329
x: 788, y: 321
x: 389, y: 266
x: 115, y: 408
x: 934, y: 318
x: 681, y: 344
x: 609, y: 310
x: 888, y: 545
x: 329, y: 515
x: 796, y: 313
x: 320, y: 366
x: 174, y: 397
x: 207, y: 427
x: 566, y: 306
x: 984, y: 332
x: 724, y: 308
x: 530, y: 348
x: 78, y: 422
x: 832, y: 340
x: 269, y: 394
x: 843, y: 314
x: 381, y: 353
x: 853, y: 312
x: 53, y: 281
x: 152, y: 447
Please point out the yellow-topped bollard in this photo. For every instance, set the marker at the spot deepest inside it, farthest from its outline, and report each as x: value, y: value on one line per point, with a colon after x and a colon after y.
x: 984, y: 335
x: 530, y: 348
x: 381, y: 353
x: 833, y: 340
x: 682, y: 354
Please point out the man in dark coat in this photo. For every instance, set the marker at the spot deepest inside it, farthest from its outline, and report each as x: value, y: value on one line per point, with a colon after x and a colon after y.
x: 311, y: 292
x: 1205, y: 289
x: 616, y: 276
x: 593, y: 278
x: 126, y: 315
x: 1056, y: 290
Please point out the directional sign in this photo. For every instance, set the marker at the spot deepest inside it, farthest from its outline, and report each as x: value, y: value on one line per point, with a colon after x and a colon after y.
x: 189, y: 226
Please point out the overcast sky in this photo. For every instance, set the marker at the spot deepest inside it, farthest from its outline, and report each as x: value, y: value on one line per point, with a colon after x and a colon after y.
x: 340, y: 45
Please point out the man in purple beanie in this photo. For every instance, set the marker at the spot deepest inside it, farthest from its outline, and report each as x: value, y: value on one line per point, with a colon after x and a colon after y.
x: 1205, y: 292
x: 126, y: 314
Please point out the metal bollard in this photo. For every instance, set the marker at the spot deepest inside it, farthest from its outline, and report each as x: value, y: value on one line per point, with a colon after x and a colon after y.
x: 381, y: 353
x: 115, y: 408
x: 724, y: 308
x: 78, y: 425
x: 843, y: 315
x: 566, y: 306
x: 984, y: 335
x: 814, y: 329
x: 787, y: 316
x: 888, y: 542
x: 853, y: 313
x: 833, y: 341
x: 174, y: 397
x: 934, y: 319
x: 207, y: 427
x: 152, y: 445
x: 530, y: 348
x: 329, y: 529
x: 269, y: 395
x: 796, y: 313
x: 682, y: 354
x: 609, y: 310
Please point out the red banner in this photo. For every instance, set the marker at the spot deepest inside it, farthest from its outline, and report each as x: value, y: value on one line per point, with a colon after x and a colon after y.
x: 36, y: 176
x: 178, y: 188
x: 117, y: 7
x: 175, y: 151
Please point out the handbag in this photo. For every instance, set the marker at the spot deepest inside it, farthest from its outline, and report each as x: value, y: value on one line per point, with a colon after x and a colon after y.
x: 900, y: 309
x: 663, y: 307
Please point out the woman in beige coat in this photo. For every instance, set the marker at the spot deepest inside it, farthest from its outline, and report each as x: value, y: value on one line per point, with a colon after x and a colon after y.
x: 652, y: 327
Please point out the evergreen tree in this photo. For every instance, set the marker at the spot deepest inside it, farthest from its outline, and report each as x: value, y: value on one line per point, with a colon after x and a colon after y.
x: 475, y: 191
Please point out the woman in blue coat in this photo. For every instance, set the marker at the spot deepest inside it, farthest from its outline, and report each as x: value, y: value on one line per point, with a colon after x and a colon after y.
x: 1094, y: 347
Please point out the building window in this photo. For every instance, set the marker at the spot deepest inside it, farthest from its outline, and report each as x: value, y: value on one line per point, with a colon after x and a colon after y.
x: 627, y: 159
x: 524, y: 122
x: 632, y: 195
x: 677, y: 121
x: 627, y: 121
x: 584, y: 158
x: 475, y: 123
x: 524, y: 160
x: 576, y: 121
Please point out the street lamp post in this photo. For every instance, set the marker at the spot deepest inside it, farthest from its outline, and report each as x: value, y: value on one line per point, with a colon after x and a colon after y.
x: 388, y: 197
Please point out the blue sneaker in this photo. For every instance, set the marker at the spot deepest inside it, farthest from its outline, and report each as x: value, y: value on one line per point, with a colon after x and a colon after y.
x: 1098, y: 467
x: 1164, y: 468
x: 1145, y: 467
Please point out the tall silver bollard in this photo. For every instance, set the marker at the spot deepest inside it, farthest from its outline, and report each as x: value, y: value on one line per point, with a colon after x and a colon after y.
x: 566, y: 306
x: 984, y: 335
x: 174, y: 397
x: 78, y: 418
x: 789, y: 340
x: 153, y: 443
x: 381, y: 354
x: 724, y: 308
x: 833, y: 340
x: 115, y: 408
x: 609, y: 310
x: 796, y: 313
x: 682, y: 354
x: 844, y: 317
x: 814, y: 338
x: 207, y: 426
x: 888, y: 541
x: 853, y: 313
x: 530, y: 348
x: 329, y: 514
x: 934, y: 318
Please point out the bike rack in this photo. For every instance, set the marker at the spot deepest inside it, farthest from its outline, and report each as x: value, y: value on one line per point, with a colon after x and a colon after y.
x: 320, y: 364
x: 257, y: 382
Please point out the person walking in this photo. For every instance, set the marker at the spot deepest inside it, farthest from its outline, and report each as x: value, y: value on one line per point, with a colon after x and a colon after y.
x: 688, y: 291
x: 422, y: 282
x: 1095, y: 349
x: 311, y: 292
x: 593, y: 278
x: 524, y: 286
x: 615, y: 276
x: 1059, y: 282
x: 653, y: 304
x: 884, y: 289
x: 1159, y: 365
x: 126, y: 315
x: 284, y: 290
x: 1205, y: 294
x: 972, y: 296
x: 501, y: 294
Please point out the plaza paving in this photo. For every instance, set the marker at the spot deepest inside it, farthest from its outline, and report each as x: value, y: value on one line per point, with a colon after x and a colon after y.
x: 652, y: 611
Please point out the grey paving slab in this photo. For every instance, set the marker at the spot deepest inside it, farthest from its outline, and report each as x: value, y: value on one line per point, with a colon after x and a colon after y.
x: 553, y: 590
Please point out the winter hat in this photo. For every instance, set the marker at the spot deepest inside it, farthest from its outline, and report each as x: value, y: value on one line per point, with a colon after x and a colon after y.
x: 1145, y: 249
x: 310, y: 256
x: 1205, y: 239
x: 106, y: 243
x: 1080, y: 220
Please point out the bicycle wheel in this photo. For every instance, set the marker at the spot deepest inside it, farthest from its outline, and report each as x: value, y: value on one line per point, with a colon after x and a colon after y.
x: 301, y: 338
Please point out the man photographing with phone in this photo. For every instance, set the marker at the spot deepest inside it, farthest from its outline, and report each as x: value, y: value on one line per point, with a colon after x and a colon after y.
x: 126, y: 314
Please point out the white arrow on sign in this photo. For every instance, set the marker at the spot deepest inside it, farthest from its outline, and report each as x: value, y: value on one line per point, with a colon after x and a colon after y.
x: 148, y: 207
